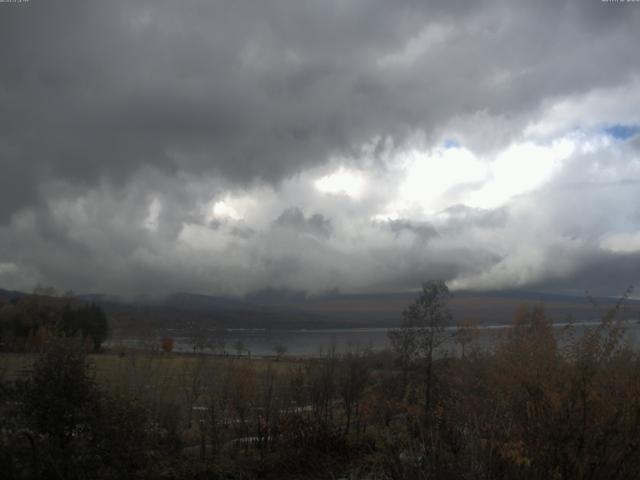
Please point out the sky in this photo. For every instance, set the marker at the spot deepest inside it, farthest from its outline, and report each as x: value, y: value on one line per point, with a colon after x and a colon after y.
x: 153, y: 146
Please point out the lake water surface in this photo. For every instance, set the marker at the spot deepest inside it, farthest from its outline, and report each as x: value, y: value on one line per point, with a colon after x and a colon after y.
x: 315, y: 342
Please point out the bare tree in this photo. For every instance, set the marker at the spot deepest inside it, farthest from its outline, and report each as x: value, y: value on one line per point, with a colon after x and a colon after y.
x: 321, y: 375
x: 218, y: 404
x: 192, y: 385
x: 242, y: 393
x: 352, y: 383
x: 465, y: 335
x: 268, y: 406
x: 422, y: 332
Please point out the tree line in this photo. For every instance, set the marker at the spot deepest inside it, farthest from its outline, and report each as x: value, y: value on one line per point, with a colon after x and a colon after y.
x: 26, y: 323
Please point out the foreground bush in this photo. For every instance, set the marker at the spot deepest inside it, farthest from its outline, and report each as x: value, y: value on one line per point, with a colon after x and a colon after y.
x: 64, y: 426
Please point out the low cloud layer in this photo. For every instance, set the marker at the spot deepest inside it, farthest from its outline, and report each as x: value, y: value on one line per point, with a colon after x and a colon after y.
x: 148, y: 147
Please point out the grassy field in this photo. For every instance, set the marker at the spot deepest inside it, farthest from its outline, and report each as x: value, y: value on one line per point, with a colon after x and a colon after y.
x: 180, y: 384
x: 177, y: 379
x: 113, y: 368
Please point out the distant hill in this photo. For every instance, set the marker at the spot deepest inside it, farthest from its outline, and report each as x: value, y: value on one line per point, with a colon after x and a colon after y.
x: 482, y: 307
x: 11, y: 294
x: 283, y: 309
x: 190, y: 301
x: 276, y: 296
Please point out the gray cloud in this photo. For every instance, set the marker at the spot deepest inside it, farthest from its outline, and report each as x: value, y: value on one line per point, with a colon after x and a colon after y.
x: 461, y: 217
x: 109, y: 107
x: 422, y: 230
x: 295, y: 219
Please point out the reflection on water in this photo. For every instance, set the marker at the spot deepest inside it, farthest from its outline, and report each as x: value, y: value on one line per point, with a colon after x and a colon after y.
x: 315, y: 342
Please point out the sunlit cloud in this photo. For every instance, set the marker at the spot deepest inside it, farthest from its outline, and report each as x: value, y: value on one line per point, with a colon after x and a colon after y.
x: 224, y: 209
x: 342, y: 182
x: 431, y: 178
x: 622, y: 242
x: 519, y: 169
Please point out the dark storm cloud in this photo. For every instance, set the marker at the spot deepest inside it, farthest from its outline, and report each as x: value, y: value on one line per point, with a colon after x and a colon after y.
x: 108, y: 107
x: 99, y: 89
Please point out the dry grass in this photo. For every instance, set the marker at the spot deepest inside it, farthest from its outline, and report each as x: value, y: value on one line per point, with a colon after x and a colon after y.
x: 154, y: 377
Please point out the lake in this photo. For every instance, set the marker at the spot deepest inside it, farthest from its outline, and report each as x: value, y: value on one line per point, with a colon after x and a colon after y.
x: 315, y: 342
